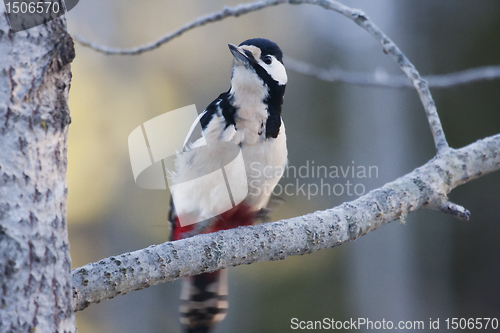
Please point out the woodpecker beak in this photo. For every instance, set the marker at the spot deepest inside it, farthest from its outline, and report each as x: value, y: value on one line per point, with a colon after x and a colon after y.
x: 239, y: 54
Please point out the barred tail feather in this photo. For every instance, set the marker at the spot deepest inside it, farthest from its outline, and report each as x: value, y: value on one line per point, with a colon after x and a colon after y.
x: 203, y: 301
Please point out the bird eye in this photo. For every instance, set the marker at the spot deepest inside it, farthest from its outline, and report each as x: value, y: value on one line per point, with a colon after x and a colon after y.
x: 268, y: 59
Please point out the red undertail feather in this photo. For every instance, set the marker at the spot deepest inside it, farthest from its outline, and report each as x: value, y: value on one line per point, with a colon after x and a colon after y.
x: 204, y: 297
x: 240, y: 215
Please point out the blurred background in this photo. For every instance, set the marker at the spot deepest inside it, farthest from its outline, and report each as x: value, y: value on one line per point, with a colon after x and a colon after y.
x: 432, y: 266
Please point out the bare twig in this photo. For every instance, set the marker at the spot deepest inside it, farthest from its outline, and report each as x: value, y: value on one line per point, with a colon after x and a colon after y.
x: 425, y: 187
x: 384, y: 80
x: 355, y: 15
x: 455, y: 210
x: 487, y: 73
x: 238, y: 10
x: 389, y: 47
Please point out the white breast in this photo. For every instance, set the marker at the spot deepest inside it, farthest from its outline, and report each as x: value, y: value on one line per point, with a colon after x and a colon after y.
x: 264, y: 162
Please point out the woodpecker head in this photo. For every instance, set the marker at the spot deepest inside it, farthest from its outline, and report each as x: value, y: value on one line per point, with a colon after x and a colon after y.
x: 258, y: 58
x: 259, y: 79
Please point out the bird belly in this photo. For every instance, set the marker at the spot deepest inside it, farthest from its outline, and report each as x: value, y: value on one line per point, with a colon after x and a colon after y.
x: 265, y: 164
x: 203, y: 192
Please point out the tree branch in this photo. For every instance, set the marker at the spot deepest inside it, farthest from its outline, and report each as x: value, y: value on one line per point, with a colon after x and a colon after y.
x: 390, y: 48
x: 226, y: 12
x: 382, y: 79
x: 356, y: 15
x: 425, y: 187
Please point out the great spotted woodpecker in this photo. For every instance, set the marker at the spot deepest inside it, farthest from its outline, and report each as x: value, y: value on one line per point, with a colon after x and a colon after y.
x: 248, y: 115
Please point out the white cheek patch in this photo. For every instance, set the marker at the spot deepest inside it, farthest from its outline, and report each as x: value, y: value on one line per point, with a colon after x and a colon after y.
x: 276, y: 70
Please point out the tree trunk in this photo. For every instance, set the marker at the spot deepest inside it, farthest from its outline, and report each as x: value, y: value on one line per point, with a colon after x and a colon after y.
x: 35, y: 293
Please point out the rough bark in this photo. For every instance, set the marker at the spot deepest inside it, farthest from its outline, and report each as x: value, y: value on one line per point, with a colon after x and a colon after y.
x: 35, y: 293
x: 425, y: 187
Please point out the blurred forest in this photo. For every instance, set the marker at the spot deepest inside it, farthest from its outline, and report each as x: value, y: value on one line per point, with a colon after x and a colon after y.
x: 432, y: 266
